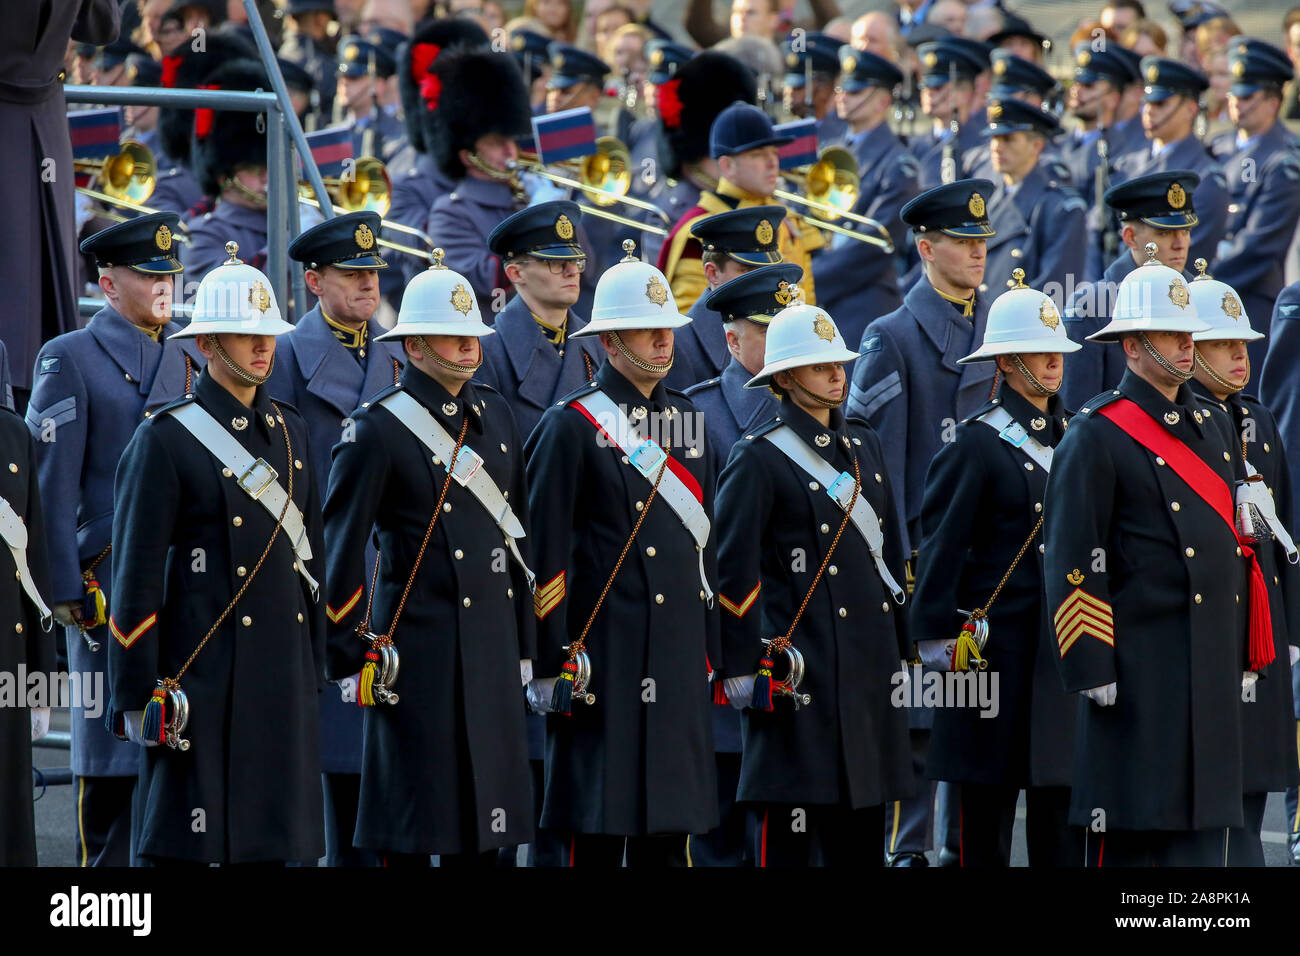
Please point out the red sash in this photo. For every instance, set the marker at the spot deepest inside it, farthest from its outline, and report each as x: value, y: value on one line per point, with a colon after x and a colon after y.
x: 1214, y: 491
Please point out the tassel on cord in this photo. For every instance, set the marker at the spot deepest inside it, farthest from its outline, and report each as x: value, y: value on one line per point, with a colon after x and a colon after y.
x: 155, y: 716
x: 366, y: 682
x: 967, y: 652
x: 94, y: 608
x: 1261, y: 652
x: 562, y: 697
x: 762, y: 699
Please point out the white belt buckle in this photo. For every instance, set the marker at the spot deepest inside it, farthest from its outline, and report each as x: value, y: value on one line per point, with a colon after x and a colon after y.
x: 468, y: 462
x: 1015, y: 434
x: 841, y: 490
x: 257, y: 478
x: 648, y: 457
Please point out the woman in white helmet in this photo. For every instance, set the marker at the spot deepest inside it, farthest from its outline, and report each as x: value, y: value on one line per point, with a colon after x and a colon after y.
x: 1222, y: 366
x: 218, y: 638
x: 981, y: 560
x: 810, y: 558
x: 444, y: 767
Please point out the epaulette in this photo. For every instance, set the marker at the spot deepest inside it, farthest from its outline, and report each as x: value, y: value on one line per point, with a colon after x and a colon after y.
x: 175, y: 403
x: 1098, y: 401
x: 577, y: 393
x: 983, y: 410
x: 762, y: 429
x: 700, y: 386
x: 374, y: 399
x: 288, y: 407
x: 485, y: 387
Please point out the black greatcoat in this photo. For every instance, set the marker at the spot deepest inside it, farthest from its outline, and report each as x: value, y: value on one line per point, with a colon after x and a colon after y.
x: 1131, y: 547
x: 185, y: 540
x: 1268, y: 721
x: 982, y: 498
x: 639, y: 760
x: 849, y: 747
x: 439, y: 766
x: 23, y: 644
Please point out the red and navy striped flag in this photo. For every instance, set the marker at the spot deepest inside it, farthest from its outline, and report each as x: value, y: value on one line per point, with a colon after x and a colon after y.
x: 564, y: 135
x: 95, y: 133
x: 331, y: 148
x: 803, y: 151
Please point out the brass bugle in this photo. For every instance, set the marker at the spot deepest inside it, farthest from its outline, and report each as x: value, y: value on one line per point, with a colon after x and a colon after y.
x: 605, y: 176
x: 832, y: 187
x: 129, y: 175
x: 425, y: 254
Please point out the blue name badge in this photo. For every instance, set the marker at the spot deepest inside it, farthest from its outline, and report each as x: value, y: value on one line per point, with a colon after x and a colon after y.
x: 1015, y: 434
x: 647, y: 457
x: 841, y: 490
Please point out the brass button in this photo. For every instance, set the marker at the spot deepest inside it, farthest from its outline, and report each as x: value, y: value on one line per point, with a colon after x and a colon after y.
x: 227, y: 473
x: 626, y: 460
x: 833, y: 569
x: 702, y: 596
x: 300, y: 617
x: 659, y: 599
x: 241, y: 570
x: 1266, y: 446
x: 1029, y: 466
x: 878, y: 478
x: 1197, y: 598
x: 640, y: 505
x: 1239, y: 552
x: 1190, y: 552
x: 1159, y: 460
x: 18, y: 575
x: 825, y: 528
x: 814, y: 486
x: 237, y: 521
x: 446, y: 506
x: 465, y: 602
x: 650, y: 551
x: 127, y: 376
x: 297, y: 463
x: 13, y: 467
x: 148, y: 414
x: 503, y: 448
x: 1038, y: 506
x: 18, y: 628
x: 1227, y: 457
x: 1042, y: 549
x: 459, y: 554
x: 844, y: 612
x: 884, y: 606
x: 510, y: 592
x: 247, y: 620
x: 1174, y: 505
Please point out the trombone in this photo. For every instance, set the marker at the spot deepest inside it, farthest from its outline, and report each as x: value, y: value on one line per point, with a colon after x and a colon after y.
x: 125, y: 179
x: 604, y: 177
x: 832, y: 185
x: 369, y: 189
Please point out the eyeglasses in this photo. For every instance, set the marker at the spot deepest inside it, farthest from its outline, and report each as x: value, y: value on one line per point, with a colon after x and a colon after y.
x: 557, y: 266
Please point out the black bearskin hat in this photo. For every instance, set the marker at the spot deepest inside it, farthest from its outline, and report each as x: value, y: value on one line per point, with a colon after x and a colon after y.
x: 703, y: 87
x: 416, y: 59
x: 187, y: 69
x: 479, y: 93
x: 224, y: 139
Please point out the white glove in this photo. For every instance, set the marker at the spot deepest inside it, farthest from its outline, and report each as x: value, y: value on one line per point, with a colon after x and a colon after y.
x: 1293, y: 652
x: 348, y: 688
x: 937, y: 654
x: 133, y: 720
x: 85, y: 209
x: 540, y: 690
x: 526, y: 670
x: 40, y: 722
x: 1103, y: 696
x: 739, y: 690
x: 1248, y: 679
x: 308, y: 215
x: 63, y: 612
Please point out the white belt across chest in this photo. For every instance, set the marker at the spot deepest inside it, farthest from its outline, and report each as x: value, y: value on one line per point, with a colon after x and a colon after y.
x: 647, y: 457
x: 839, y: 486
x: 468, y: 470
x: 14, y: 533
x: 1014, y: 434
x: 255, y: 477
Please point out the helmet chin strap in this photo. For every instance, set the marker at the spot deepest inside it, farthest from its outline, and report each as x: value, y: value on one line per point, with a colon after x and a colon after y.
x: 637, y: 360
x: 241, y: 373
x: 441, y: 362
x: 1163, y: 362
x: 1034, y: 383
x: 1215, y: 377
x: 813, y: 396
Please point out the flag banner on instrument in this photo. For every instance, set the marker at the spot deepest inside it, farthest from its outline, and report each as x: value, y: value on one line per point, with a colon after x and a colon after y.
x: 801, y: 152
x: 95, y: 133
x: 526, y: 144
x: 565, y: 135
x: 331, y: 148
